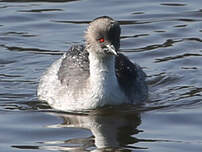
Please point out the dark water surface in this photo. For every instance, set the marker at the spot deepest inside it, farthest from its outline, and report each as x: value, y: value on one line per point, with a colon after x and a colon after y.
x: 163, y: 36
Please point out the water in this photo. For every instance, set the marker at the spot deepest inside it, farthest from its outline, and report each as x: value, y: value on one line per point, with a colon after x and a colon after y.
x: 164, y: 37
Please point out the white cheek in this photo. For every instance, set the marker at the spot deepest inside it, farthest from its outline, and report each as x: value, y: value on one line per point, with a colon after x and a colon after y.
x: 95, y: 47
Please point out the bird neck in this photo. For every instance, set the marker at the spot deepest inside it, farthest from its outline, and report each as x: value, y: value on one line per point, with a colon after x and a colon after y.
x: 102, y: 70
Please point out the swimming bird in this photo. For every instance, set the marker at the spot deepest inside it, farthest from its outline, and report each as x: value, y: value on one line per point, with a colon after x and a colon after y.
x: 94, y: 74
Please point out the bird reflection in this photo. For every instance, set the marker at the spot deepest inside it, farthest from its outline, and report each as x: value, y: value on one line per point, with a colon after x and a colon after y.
x: 111, y: 129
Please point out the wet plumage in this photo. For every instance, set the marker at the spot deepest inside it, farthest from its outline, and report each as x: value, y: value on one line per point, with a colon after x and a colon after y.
x: 94, y: 75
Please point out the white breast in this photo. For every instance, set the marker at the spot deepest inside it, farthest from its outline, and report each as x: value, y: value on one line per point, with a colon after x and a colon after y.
x: 102, y: 88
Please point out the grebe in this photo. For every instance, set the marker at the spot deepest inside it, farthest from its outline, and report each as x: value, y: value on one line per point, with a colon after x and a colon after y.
x: 95, y: 74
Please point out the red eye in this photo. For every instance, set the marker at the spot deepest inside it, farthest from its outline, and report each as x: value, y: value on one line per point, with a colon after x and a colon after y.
x: 101, y: 40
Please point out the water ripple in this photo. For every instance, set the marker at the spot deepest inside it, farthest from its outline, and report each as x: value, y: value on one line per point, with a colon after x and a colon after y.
x: 32, y: 50
x: 164, y: 37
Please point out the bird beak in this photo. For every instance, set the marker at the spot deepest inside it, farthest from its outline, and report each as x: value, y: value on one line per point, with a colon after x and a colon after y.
x: 111, y: 49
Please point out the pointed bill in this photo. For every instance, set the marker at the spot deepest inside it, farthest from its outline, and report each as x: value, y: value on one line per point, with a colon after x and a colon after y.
x: 111, y: 49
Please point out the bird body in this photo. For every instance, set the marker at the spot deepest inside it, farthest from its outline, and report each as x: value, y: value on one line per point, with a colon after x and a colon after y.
x: 93, y: 75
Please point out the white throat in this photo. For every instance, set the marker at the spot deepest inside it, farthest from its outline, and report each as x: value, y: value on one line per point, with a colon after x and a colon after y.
x: 102, y: 69
x: 103, y: 81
